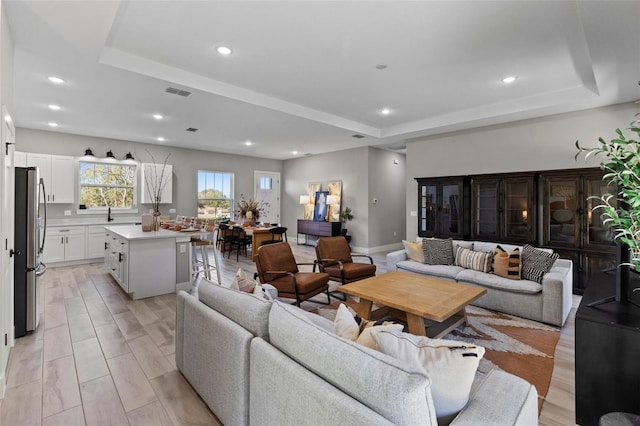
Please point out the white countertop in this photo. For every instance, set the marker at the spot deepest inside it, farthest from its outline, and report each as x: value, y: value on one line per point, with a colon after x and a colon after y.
x: 134, y: 232
x: 93, y: 220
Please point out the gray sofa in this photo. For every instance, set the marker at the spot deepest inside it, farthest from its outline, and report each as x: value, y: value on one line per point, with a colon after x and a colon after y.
x: 548, y: 302
x: 268, y: 363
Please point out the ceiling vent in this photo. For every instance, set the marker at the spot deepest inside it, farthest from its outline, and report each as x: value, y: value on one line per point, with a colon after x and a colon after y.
x: 308, y: 154
x: 357, y: 136
x: 178, y: 92
x: 192, y: 129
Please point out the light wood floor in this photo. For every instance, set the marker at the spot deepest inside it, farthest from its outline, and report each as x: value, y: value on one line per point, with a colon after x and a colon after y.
x: 99, y: 358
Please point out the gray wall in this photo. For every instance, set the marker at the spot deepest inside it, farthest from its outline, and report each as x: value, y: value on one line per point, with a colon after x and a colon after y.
x: 363, y: 172
x: 539, y: 144
x: 6, y: 64
x: 186, y: 163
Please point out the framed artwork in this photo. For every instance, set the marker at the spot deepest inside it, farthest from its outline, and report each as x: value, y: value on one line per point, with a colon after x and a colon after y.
x: 335, y: 189
x: 320, y: 208
x: 312, y: 188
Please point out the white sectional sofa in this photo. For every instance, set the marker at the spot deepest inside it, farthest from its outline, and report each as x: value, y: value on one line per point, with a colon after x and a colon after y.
x: 548, y: 302
x: 267, y: 363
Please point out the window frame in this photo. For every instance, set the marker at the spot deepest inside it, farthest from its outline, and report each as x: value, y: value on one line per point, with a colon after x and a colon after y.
x: 107, y: 161
x: 231, y: 199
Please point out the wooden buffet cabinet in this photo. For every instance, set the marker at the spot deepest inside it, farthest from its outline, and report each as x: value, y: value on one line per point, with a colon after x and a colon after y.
x: 317, y: 229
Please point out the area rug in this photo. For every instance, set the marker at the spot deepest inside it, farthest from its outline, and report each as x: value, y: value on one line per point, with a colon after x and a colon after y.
x: 521, y: 347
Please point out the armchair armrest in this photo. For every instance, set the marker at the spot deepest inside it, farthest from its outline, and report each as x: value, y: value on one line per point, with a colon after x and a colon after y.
x: 363, y: 255
x: 557, y: 289
x: 394, y: 257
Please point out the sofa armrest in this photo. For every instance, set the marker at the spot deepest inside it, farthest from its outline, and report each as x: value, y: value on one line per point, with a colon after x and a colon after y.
x: 501, y: 399
x: 395, y: 257
x: 557, y: 290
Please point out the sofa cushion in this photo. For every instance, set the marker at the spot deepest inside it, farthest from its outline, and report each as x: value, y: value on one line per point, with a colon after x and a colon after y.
x: 442, y: 271
x: 339, y: 361
x: 461, y: 243
x: 494, y: 281
x: 451, y: 365
x: 414, y: 250
x: 478, y: 260
x: 507, y: 264
x: 536, y: 263
x: 438, y: 251
x: 250, y: 312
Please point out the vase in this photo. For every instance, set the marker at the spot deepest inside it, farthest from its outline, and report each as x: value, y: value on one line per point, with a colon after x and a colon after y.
x: 156, y: 220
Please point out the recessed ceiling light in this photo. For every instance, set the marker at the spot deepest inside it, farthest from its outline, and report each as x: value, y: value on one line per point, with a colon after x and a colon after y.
x: 158, y: 116
x: 224, y: 50
x: 52, y: 124
x: 294, y: 152
x: 248, y: 143
x: 509, y: 79
x: 160, y: 139
x: 54, y: 107
x: 56, y: 80
x: 385, y: 111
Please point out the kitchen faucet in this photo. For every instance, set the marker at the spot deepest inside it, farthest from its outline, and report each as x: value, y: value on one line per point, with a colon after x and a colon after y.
x: 109, y: 218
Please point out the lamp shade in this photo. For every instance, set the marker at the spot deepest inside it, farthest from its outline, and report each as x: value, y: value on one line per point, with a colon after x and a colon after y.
x: 305, y: 199
x: 333, y: 200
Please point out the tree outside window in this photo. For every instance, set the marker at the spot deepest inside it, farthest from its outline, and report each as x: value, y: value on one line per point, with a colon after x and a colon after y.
x: 105, y: 185
x: 215, y: 191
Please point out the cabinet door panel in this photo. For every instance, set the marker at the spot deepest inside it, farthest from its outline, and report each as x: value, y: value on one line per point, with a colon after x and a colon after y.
x: 450, y: 210
x: 561, y: 208
x: 428, y: 205
x: 43, y: 163
x: 74, y: 247
x: 485, y: 209
x: 518, y: 214
x: 53, y: 249
x: 63, y: 182
x: 598, y: 234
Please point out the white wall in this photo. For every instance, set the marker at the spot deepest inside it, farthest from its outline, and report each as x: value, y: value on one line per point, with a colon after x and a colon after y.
x: 363, y: 171
x: 186, y: 163
x: 539, y: 144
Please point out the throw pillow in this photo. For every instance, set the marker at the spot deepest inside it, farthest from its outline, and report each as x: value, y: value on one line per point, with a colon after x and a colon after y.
x: 351, y: 327
x: 507, y: 264
x: 265, y: 291
x: 242, y: 281
x: 414, y: 250
x: 438, y: 251
x: 450, y: 365
x: 536, y: 263
x: 477, y: 260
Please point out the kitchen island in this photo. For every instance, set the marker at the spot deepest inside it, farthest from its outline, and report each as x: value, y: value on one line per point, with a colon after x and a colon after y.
x: 148, y: 264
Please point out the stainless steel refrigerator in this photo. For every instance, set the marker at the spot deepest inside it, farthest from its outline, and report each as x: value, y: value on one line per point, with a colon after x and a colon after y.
x: 30, y: 231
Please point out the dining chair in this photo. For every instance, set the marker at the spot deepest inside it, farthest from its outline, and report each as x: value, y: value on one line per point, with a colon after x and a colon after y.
x: 279, y: 231
x: 238, y: 241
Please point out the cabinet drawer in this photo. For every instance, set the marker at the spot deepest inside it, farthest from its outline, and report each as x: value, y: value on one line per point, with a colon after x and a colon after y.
x: 95, y: 229
x: 65, y: 230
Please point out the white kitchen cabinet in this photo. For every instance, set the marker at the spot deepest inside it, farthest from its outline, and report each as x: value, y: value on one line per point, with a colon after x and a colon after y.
x: 95, y: 242
x: 117, y: 259
x: 58, y: 173
x: 64, y: 244
x: 151, y: 173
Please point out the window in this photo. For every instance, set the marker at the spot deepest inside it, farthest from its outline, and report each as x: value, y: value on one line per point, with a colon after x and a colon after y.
x: 107, y: 184
x: 215, y: 191
x: 266, y: 183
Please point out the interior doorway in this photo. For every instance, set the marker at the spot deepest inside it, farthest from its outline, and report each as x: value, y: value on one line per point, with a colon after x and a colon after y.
x: 267, y: 189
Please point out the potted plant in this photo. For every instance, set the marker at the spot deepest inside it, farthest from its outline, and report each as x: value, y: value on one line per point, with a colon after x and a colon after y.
x: 621, y: 211
x: 345, y: 216
x: 621, y: 161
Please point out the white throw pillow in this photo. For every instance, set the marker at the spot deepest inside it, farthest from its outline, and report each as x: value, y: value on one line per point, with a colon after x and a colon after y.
x: 450, y: 365
x: 366, y: 337
x: 345, y: 325
x: 242, y: 281
x: 265, y: 291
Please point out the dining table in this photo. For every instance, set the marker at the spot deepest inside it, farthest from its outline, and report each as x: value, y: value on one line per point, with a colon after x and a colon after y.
x: 258, y: 236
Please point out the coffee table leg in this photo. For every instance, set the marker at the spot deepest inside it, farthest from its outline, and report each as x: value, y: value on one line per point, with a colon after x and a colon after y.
x: 364, y: 308
x: 416, y: 325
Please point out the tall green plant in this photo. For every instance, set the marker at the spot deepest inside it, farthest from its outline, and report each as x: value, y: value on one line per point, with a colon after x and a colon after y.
x: 621, y: 161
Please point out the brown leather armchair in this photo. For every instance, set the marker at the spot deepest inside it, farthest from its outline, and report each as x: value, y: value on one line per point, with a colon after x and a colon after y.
x: 335, y: 258
x: 277, y: 266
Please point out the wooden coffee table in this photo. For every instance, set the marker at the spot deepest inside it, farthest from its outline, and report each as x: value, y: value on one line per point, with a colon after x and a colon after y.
x: 434, y: 303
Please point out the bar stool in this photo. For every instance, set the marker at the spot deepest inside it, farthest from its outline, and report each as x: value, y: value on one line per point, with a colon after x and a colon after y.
x: 203, y: 265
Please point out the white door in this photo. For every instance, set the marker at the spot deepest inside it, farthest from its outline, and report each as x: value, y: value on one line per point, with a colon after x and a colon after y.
x: 7, y: 179
x: 267, y: 189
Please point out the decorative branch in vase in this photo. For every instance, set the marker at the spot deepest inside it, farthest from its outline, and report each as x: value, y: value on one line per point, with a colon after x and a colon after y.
x: 251, y: 209
x: 155, y: 182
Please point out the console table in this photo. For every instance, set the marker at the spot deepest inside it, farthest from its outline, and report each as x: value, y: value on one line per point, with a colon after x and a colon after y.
x: 607, y: 348
x: 317, y: 229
